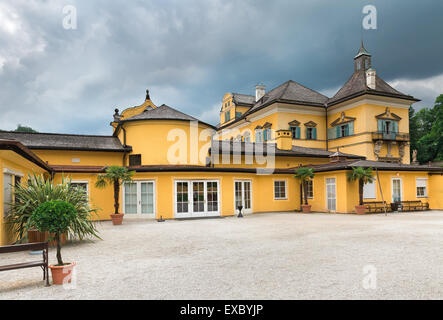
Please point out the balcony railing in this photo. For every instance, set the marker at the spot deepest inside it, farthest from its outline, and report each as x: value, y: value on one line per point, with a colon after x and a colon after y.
x: 394, y: 136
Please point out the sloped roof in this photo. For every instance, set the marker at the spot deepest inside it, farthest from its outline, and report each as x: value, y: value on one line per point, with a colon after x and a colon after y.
x: 290, y: 92
x: 55, y: 141
x: 356, y: 85
x: 243, y: 99
x: 344, y: 165
x: 163, y: 112
x: 238, y: 147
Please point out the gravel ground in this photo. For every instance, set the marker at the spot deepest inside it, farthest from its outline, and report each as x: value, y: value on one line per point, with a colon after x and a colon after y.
x: 263, y: 256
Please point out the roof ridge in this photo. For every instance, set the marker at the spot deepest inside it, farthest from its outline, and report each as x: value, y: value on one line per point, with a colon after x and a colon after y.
x: 59, y: 134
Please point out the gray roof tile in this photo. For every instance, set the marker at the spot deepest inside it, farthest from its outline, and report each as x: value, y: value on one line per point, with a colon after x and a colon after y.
x: 64, y: 141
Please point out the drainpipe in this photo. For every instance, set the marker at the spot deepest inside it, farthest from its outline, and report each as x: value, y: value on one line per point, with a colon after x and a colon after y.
x: 124, y: 146
x: 327, y: 139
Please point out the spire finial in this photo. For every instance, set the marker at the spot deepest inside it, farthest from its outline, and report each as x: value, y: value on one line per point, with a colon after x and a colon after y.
x: 147, y: 95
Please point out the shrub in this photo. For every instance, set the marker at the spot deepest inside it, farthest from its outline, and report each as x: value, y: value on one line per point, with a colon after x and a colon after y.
x: 55, y: 217
x: 40, y: 190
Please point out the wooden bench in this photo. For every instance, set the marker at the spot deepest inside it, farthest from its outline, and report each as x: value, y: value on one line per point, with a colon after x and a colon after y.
x: 412, y: 205
x: 377, y: 206
x: 28, y: 247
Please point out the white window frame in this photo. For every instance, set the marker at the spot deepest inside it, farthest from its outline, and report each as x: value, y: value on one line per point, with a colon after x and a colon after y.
x: 250, y: 191
x: 139, y: 213
x: 286, y: 189
x: 392, y: 188
x: 326, y: 193
x: 191, y: 213
x: 426, y: 187
x: 82, y: 182
x: 312, y: 182
x: 374, y: 183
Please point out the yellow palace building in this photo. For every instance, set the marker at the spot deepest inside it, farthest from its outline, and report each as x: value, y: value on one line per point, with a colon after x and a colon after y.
x: 187, y: 168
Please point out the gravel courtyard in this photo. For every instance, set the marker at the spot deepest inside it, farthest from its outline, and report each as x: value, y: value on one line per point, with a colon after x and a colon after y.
x: 262, y: 256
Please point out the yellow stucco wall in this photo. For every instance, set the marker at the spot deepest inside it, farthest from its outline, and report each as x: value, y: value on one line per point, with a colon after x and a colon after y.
x: 13, y: 162
x: 87, y: 158
x: 169, y: 142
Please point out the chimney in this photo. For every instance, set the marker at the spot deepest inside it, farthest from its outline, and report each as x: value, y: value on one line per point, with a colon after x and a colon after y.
x: 337, y: 157
x: 260, y: 91
x: 370, y: 78
x: 284, y: 139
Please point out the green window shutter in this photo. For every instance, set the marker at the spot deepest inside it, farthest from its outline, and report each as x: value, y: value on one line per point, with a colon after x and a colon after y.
x: 314, y: 133
x: 331, y: 133
x: 306, y: 133
x: 298, y: 132
x: 347, y: 130
x: 380, y: 125
x: 395, y: 126
x: 351, y: 128
x: 337, y: 132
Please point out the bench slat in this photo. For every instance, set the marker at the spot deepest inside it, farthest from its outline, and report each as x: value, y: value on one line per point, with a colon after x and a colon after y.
x: 24, y: 247
x: 22, y: 265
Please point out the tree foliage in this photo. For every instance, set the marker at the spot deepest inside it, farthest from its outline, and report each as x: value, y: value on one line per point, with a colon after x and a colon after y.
x: 21, y: 128
x: 304, y: 174
x: 426, y: 132
x: 55, y: 217
x: 363, y: 176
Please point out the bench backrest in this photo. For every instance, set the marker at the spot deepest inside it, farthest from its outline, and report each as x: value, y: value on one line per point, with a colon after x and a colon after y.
x: 24, y: 247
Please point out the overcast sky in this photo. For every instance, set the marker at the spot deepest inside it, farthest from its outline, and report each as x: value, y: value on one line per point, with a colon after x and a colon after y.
x: 190, y: 52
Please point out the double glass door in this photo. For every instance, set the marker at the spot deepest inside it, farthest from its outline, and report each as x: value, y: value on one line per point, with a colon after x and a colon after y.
x: 242, y: 190
x: 139, y: 198
x: 198, y: 198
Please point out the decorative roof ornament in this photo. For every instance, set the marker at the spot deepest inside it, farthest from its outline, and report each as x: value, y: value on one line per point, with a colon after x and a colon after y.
x: 147, y: 95
x: 362, y: 51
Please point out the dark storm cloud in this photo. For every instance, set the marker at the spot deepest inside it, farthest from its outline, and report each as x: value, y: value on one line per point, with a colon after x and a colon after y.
x: 189, y: 53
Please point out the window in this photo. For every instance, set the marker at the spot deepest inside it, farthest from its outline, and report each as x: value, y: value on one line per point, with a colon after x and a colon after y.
x: 237, y: 114
x: 310, y: 184
x: 369, y: 190
x: 388, y: 126
x: 135, y: 160
x: 358, y: 65
x: 344, y: 130
x: 311, y: 133
x: 247, y: 137
x: 421, y: 187
x: 258, y: 136
x: 266, y: 134
x: 83, y: 185
x: 295, y: 131
x: 7, y: 193
x: 227, y: 116
x: 279, y: 189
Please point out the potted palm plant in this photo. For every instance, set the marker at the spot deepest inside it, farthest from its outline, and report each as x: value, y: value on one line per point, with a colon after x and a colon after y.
x: 304, y: 174
x: 55, y: 217
x: 39, y: 190
x: 363, y: 176
x: 116, y: 176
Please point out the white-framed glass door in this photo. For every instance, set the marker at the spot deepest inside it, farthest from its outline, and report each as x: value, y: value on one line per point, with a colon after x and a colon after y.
x: 139, y: 199
x: 331, y: 198
x: 243, y: 195
x: 396, y: 190
x: 196, y: 198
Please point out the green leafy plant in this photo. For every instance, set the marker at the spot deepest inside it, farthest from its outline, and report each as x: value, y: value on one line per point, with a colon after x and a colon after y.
x: 55, y: 217
x: 38, y: 190
x: 116, y: 176
x: 304, y: 174
x: 363, y: 176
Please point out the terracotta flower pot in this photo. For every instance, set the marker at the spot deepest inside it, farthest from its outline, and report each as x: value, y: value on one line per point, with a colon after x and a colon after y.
x: 117, y: 219
x: 360, y: 209
x: 37, y: 236
x: 306, y: 208
x: 62, y: 274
